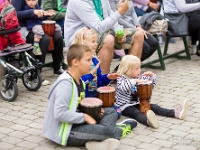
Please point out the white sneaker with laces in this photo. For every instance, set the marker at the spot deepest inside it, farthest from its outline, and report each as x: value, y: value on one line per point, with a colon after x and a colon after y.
x: 193, y: 50
x: 180, y: 111
x: 108, y: 144
x: 152, y: 120
x: 45, y: 82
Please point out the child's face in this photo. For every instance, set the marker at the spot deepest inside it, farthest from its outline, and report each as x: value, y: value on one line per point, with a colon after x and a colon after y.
x: 92, y: 43
x: 85, y: 63
x: 31, y: 3
x: 136, y: 71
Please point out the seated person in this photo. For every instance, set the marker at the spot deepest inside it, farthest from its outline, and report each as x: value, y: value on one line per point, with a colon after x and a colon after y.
x: 95, y: 79
x: 35, y: 24
x: 65, y: 125
x: 44, y: 42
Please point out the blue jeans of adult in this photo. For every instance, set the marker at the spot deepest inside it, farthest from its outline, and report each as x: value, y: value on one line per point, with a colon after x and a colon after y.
x: 135, y: 113
x: 105, y: 128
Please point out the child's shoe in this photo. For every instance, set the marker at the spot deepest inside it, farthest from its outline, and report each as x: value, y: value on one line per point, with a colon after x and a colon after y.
x: 127, y: 126
x: 152, y: 120
x: 108, y: 144
x: 36, y: 50
x: 180, y: 111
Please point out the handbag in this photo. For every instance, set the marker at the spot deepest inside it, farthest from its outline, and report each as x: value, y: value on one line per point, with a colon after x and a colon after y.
x: 177, y: 24
x: 158, y: 26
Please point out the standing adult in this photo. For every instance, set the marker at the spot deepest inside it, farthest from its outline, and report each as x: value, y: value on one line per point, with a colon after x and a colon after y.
x: 44, y: 43
x: 192, y: 7
x: 130, y: 20
x: 97, y: 15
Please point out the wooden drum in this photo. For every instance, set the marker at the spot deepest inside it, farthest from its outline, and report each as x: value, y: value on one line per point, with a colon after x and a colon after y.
x: 49, y: 29
x: 92, y: 107
x: 153, y: 1
x: 144, y: 91
x: 107, y: 95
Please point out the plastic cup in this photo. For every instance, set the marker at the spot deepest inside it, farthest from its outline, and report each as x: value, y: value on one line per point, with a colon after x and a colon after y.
x: 120, y: 32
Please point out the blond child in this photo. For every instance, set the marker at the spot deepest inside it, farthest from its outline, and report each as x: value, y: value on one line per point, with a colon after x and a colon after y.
x: 95, y: 79
x: 126, y: 94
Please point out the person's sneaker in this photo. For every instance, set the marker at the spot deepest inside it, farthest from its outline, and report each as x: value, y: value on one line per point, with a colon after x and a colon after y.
x: 108, y: 144
x: 127, y: 126
x: 152, y: 120
x: 57, y: 72
x: 180, y: 111
x: 193, y: 49
x: 45, y: 82
x: 36, y: 50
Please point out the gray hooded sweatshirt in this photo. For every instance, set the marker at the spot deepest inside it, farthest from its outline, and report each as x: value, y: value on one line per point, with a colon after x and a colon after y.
x: 61, y: 110
x: 82, y: 13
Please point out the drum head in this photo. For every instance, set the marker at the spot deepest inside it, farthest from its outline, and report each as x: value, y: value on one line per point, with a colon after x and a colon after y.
x: 48, y: 22
x: 106, y: 89
x: 91, y: 102
x: 146, y: 83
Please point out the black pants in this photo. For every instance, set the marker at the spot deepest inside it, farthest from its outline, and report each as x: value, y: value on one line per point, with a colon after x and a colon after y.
x: 149, y: 47
x: 44, y: 44
x: 136, y: 114
x: 194, y: 26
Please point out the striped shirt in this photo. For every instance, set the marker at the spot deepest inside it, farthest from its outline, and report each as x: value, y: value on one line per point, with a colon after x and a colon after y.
x: 126, y: 90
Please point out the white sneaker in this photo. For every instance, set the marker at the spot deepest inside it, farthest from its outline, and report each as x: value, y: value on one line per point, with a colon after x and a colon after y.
x: 108, y: 144
x: 45, y: 82
x: 180, y: 111
x: 193, y: 50
x: 152, y: 120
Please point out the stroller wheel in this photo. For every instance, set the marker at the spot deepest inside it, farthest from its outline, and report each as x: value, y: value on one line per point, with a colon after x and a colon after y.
x: 11, y: 93
x: 32, y: 80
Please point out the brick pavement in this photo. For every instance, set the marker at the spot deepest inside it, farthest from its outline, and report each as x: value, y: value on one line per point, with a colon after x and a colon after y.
x: 21, y: 120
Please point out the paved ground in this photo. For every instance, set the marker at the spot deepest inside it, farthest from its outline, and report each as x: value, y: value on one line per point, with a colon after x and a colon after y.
x: 21, y: 120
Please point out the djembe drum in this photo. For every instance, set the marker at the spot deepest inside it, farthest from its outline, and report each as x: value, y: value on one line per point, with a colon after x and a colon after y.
x: 49, y: 29
x: 92, y: 107
x: 107, y: 95
x: 144, y: 91
x: 153, y: 1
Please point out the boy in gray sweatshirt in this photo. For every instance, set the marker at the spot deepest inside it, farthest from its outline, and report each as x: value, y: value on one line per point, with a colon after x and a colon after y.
x: 65, y: 125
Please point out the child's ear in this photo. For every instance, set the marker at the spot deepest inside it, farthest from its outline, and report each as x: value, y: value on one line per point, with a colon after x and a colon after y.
x: 75, y: 62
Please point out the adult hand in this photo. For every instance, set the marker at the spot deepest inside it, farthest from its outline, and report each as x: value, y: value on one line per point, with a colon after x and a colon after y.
x: 48, y: 13
x: 94, y: 70
x: 113, y: 76
x: 122, y: 40
x: 123, y: 6
x: 154, y: 6
x: 38, y: 13
x: 89, y: 119
x: 143, y: 31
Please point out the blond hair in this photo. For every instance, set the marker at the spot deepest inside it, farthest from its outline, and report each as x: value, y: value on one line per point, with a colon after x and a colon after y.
x: 127, y: 63
x: 84, y: 34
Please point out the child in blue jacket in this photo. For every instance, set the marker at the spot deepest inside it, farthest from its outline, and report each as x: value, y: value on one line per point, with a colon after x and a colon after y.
x: 95, y: 79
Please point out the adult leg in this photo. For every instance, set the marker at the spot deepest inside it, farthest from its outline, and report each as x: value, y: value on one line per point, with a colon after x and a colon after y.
x: 57, y: 53
x: 80, y: 134
x: 162, y: 111
x: 138, y: 40
x: 106, y: 53
x: 149, y: 47
x: 135, y: 113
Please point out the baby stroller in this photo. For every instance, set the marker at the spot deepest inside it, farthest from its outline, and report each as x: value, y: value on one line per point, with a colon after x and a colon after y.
x: 30, y: 74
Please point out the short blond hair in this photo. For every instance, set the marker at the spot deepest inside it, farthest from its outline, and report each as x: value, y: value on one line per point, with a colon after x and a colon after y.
x: 127, y: 63
x: 83, y: 34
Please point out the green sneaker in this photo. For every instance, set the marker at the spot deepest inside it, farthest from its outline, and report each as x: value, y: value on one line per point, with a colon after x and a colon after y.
x: 36, y: 50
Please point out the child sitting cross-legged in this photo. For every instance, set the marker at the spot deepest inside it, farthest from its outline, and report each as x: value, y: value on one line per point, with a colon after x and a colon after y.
x: 127, y: 97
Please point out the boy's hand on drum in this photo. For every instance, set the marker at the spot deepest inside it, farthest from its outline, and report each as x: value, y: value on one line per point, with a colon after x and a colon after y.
x: 89, y: 119
x: 102, y: 112
x: 94, y: 70
x: 113, y: 76
x: 148, y: 73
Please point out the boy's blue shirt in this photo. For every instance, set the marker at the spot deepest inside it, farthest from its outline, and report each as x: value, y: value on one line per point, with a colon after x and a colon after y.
x: 102, y: 79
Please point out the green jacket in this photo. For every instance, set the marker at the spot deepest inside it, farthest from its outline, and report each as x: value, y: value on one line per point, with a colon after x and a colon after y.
x: 53, y: 4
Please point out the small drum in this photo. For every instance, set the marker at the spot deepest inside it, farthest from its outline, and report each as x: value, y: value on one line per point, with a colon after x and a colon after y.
x: 153, y: 1
x: 49, y: 28
x: 92, y: 107
x: 107, y: 95
x: 144, y: 93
